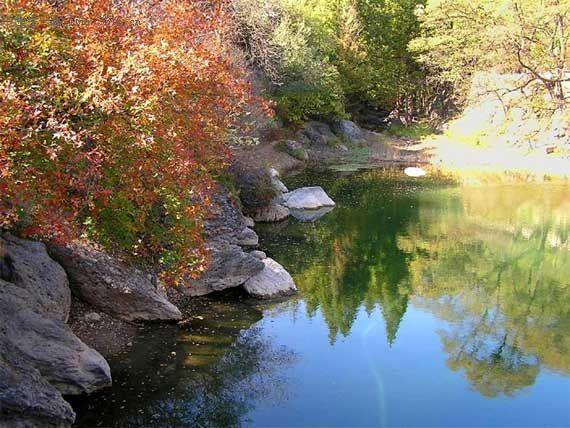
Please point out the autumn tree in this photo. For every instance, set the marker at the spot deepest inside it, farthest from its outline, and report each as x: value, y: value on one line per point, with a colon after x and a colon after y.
x: 113, y: 118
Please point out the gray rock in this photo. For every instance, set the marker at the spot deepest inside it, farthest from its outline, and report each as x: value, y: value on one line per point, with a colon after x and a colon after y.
x: 26, y: 399
x: 272, y: 213
x: 258, y: 254
x: 247, y: 238
x: 48, y: 345
x: 307, y: 198
x: 272, y: 282
x: 229, y: 267
x: 27, y: 265
x: 111, y: 286
x: 317, y: 133
x: 348, y: 130
x: 93, y: 317
x: 226, y: 221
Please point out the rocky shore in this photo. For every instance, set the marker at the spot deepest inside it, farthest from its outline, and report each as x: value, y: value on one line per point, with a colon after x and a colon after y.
x: 64, y: 307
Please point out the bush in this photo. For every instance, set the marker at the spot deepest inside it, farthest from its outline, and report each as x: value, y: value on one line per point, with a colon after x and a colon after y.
x: 113, y: 118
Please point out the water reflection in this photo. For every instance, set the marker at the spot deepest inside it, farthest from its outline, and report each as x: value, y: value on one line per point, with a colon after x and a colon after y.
x: 210, y: 373
x: 493, y: 263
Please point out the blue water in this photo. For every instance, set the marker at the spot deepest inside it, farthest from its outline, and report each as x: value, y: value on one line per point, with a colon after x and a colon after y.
x: 420, y: 303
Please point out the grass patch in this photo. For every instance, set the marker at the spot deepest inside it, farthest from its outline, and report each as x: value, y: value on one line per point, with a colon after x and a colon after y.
x: 415, y: 130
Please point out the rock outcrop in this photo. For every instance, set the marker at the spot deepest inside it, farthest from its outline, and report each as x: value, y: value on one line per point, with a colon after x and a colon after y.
x: 318, y: 133
x: 274, y: 212
x: 348, y: 130
x: 27, y: 265
x: 48, y: 345
x: 307, y: 198
x: 229, y: 267
x: 226, y: 231
x: 113, y: 287
x: 272, y: 282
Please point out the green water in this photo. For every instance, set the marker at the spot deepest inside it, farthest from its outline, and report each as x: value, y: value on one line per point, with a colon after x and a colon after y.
x: 420, y: 304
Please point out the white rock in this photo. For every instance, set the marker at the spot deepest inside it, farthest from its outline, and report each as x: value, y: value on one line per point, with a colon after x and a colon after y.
x: 415, y: 172
x: 307, y: 198
x: 273, y: 281
x: 273, y: 172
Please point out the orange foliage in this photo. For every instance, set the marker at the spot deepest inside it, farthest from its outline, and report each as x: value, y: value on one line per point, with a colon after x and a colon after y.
x: 113, y: 118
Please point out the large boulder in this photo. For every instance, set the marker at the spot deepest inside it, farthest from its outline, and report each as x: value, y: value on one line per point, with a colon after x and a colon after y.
x: 274, y: 212
x: 229, y: 267
x: 27, y: 265
x: 48, y: 345
x: 272, y: 282
x: 111, y: 286
x: 27, y: 400
x: 307, y: 198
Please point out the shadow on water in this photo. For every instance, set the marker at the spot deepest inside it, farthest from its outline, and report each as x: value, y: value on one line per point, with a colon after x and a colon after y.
x: 209, y: 373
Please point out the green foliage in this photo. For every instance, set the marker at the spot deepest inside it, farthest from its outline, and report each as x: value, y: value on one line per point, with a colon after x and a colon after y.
x: 462, y: 37
x: 326, y: 57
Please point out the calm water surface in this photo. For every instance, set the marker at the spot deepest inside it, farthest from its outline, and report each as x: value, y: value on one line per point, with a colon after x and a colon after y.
x: 420, y: 304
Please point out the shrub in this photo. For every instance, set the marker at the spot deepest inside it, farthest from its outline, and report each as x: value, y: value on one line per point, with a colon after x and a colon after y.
x: 113, y: 117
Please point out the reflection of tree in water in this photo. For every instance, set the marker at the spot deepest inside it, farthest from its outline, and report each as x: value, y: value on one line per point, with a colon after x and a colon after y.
x: 501, y: 281
x: 210, y: 374
x: 350, y: 259
x: 223, y: 395
x: 480, y: 347
x: 492, y: 262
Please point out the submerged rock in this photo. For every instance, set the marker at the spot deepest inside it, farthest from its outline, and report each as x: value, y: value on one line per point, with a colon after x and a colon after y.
x: 229, y: 267
x: 307, y: 198
x: 113, y: 287
x: 27, y: 265
x: 272, y: 282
